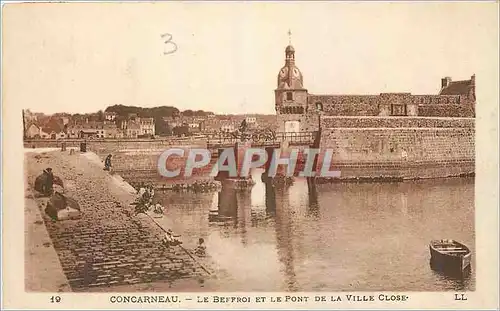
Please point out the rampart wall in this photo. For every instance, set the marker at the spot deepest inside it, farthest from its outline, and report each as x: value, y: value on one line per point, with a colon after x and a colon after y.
x: 371, y: 105
x: 394, y: 122
x: 401, y: 152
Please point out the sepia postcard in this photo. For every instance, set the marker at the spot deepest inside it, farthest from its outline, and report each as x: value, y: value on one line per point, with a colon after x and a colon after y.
x: 250, y: 155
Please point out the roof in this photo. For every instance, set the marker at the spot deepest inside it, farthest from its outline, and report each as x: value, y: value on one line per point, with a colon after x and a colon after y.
x: 290, y: 77
x: 30, y: 124
x: 47, y: 130
x: 456, y: 88
x: 52, y: 125
x: 89, y: 125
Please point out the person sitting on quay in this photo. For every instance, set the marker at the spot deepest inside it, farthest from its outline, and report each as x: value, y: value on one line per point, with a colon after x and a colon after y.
x: 107, y: 163
x: 141, y: 191
x: 158, y: 209
x: 45, y: 182
x: 170, y: 240
x: 201, y: 249
x: 48, y: 186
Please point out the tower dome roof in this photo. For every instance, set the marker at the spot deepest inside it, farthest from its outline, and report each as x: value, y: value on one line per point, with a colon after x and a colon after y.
x: 290, y: 76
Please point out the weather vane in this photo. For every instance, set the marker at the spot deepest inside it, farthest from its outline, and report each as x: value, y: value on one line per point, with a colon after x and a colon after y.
x: 289, y: 36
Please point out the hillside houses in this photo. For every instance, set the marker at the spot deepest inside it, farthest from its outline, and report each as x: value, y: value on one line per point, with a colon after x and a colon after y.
x: 135, y: 127
x: 94, y: 129
x: 110, y: 125
x: 103, y: 126
x: 48, y: 128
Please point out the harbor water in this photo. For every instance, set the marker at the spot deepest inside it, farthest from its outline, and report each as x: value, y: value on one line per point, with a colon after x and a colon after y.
x: 327, y: 237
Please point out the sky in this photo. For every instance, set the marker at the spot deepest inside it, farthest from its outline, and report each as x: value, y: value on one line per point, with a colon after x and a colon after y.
x: 83, y: 57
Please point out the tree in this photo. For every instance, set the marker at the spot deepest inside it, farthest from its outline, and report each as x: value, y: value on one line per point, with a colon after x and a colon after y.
x: 100, y: 116
x: 181, y: 130
x: 161, y: 127
x: 162, y: 111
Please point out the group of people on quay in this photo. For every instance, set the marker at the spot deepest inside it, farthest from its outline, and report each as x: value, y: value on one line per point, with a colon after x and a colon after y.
x: 144, y: 203
x: 145, y: 200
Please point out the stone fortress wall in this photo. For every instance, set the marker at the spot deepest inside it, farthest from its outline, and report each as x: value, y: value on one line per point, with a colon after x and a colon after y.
x: 402, y: 146
x: 328, y: 122
x: 373, y: 105
x: 395, y: 152
x: 427, y: 136
x: 368, y: 142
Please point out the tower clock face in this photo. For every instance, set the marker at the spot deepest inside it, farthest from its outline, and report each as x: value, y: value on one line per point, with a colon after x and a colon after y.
x: 296, y: 72
x: 283, y: 72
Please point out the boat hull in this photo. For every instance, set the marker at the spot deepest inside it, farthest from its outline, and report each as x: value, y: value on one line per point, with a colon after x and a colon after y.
x: 450, y: 261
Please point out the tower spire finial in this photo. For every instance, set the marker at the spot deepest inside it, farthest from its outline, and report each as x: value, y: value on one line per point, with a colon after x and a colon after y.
x: 289, y: 36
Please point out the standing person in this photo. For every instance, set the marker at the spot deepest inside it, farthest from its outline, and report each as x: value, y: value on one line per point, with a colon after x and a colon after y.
x: 151, y: 194
x: 146, y: 198
x: 107, y: 163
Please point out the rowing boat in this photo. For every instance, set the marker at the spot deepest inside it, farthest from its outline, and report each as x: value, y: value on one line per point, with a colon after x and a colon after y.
x: 450, y: 255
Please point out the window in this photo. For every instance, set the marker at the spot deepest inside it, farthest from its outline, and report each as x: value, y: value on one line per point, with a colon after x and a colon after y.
x: 289, y: 96
x: 398, y: 110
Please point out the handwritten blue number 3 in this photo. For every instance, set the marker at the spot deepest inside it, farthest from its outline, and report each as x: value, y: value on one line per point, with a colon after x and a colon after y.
x: 169, y: 42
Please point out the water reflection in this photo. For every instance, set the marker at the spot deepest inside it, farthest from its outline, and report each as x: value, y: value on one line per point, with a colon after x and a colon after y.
x: 284, y: 236
x: 313, y: 206
x: 227, y: 207
x: 309, y: 237
x: 454, y: 280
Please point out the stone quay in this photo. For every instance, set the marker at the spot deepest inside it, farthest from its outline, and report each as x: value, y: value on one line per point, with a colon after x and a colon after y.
x: 109, y: 247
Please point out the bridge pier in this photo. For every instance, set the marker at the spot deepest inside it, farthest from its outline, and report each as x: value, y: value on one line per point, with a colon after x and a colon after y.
x: 238, y: 182
x: 280, y: 178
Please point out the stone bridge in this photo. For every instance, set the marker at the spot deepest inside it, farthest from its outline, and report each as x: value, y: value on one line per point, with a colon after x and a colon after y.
x: 279, y: 140
x: 309, y: 139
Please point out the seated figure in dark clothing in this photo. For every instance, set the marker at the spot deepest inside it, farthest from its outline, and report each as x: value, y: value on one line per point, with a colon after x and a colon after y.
x: 201, y: 249
x: 44, y: 183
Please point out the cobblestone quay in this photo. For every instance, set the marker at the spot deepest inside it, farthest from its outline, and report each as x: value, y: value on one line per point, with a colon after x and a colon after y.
x: 108, y: 245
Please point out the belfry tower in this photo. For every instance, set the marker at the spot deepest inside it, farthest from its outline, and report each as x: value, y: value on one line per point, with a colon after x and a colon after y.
x: 290, y: 94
